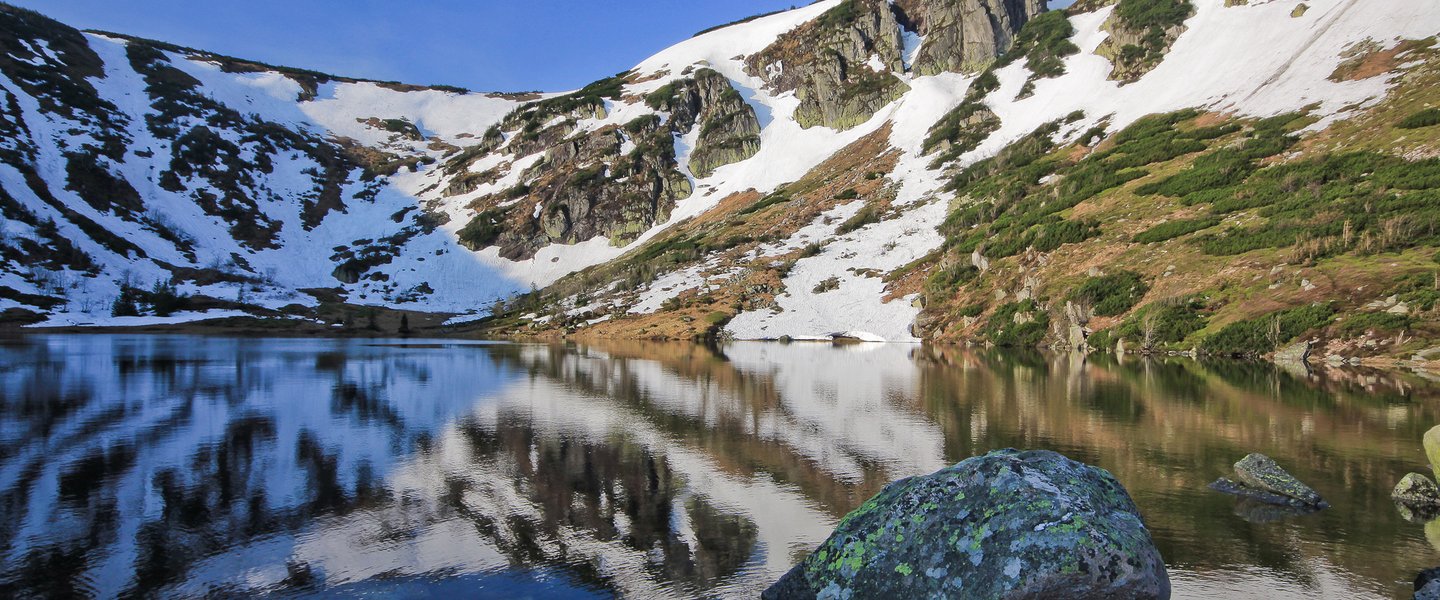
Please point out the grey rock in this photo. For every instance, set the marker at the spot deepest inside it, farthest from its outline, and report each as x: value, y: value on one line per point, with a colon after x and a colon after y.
x: 1297, y: 353
x: 826, y: 62
x: 1427, y: 584
x: 1131, y: 66
x: 729, y: 128
x: 1416, y: 490
x: 1258, y: 477
x: 968, y: 35
x: 1260, y: 471
x: 1006, y: 524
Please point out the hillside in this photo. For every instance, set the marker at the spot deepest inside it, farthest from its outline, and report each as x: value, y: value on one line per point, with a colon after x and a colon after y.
x: 1213, y: 175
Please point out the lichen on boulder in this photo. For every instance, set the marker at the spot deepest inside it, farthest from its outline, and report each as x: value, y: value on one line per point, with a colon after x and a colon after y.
x: 1416, y: 490
x: 1006, y: 524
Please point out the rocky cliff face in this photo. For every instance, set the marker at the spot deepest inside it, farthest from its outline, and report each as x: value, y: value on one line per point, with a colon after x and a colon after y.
x: 842, y: 66
x: 729, y: 130
x: 1141, y: 33
x: 851, y: 62
x: 614, y: 182
x: 967, y: 35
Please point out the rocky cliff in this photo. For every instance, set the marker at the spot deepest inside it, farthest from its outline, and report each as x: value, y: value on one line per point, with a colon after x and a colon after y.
x: 965, y: 36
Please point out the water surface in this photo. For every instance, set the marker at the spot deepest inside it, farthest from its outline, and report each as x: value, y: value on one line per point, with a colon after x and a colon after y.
x: 186, y: 466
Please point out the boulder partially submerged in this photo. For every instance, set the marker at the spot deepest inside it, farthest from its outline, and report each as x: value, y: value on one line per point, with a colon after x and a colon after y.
x: 1427, y: 585
x: 1432, y: 449
x: 1261, y: 478
x: 1416, y: 490
x: 1008, y: 524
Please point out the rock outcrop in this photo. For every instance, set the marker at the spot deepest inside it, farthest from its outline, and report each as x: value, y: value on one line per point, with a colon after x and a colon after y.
x: 842, y: 66
x: 1260, y: 478
x: 729, y: 129
x: 615, y: 182
x: 1294, y: 354
x: 968, y: 35
x: 1007, y: 524
x: 1141, y: 33
x: 590, y: 186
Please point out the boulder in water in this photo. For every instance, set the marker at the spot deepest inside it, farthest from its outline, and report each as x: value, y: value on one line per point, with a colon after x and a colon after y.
x: 1260, y: 478
x: 1007, y: 524
x: 1427, y: 585
x: 1416, y: 490
x: 1432, y: 449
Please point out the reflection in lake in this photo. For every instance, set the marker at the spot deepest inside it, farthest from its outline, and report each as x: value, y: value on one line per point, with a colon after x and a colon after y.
x: 185, y: 466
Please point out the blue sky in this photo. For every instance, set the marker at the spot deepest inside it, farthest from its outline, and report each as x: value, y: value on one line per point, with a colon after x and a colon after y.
x: 485, y: 45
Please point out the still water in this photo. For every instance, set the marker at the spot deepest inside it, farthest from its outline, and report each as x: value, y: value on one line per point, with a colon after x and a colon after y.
x: 188, y: 466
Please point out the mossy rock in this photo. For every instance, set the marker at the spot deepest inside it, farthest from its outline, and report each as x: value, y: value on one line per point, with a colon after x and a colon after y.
x: 1432, y: 449
x: 1261, y: 472
x: 1416, y: 490
x: 1006, y: 524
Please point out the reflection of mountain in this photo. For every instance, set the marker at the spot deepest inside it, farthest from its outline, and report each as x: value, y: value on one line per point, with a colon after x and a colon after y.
x: 128, y: 459
x: 209, y: 466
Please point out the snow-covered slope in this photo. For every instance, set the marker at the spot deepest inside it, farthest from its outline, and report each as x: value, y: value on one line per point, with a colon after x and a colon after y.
x: 497, y: 194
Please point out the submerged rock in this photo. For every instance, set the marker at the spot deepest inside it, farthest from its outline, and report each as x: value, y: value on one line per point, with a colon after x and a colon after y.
x: 1427, y: 585
x: 1260, y: 478
x: 1416, y: 490
x: 1260, y: 512
x: 1007, y: 524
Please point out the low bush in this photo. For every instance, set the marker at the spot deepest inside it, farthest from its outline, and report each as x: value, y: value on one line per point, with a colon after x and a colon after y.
x: 1429, y: 117
x: 1264, y: 334
x: 867, y: 215
x: 1377, y: 322
x: 945, y: 281
x: 1112, y: 294
x: 1004, y: 330
x: 1164, y: 322
x: 1173, y: 229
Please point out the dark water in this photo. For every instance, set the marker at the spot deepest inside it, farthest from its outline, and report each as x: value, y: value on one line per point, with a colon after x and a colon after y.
x: 184, y: 466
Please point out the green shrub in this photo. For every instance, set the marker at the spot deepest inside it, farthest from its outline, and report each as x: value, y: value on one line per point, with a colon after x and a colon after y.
x: 1102, y: 340
x: 1165, y: 322
x: 483, y: 230
x: 944, y: 282
x: 777, y: 197
x: 1429, y: 117
x: 867, y: 215
x: 1361, y: 201
x: 1258, y: 336
x: 1044, y: 41
x: 1002, y: 330
x: 1379, y: 322
x: 847, y: 194
x: 1147, y: 14
x: 1112, y: 294
x: 1173, y: 229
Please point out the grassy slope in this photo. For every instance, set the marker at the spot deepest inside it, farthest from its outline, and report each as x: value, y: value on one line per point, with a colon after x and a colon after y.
x: 1242, y: 286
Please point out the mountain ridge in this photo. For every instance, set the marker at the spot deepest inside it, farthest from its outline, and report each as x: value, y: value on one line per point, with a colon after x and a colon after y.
x: 646, y: 206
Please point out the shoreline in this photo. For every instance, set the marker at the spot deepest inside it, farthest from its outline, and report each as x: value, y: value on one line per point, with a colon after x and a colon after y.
x: 428, y: 327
